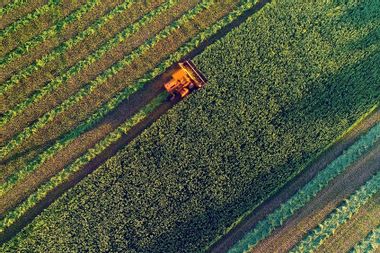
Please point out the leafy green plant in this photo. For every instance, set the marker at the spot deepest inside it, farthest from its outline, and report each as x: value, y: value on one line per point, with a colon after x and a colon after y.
x: 339, y: 216
x: 264, y: 227
x: 49, y: 33
x: 74, y: 167
x: 369, y: 243
x: 27, y: 18
x: 11, y: 6
x: 62, y: 48
x: 20, y: 174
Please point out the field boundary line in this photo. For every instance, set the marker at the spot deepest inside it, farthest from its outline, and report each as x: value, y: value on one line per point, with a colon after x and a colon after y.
x: 52, y: 85
x: 338, y: 216
x: 159, y: 69
x: 63, y: 47
x: 276, y: 218
x: 22, y: 173
x: 64, y: 174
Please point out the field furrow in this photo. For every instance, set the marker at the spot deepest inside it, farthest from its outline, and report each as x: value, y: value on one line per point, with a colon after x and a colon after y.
x: 339, y: 216
x: 368, y: 244
x: 360, y: 225
x: 49, y: 33
x: 62, y: 48
x: 12, y: 11
x: 92, y: 137
x: 277, y: 218
x: 103, y: 76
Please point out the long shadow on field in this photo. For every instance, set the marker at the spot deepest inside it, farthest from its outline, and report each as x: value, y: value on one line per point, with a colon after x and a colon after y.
x: 129, y: 107
x: 343, y: 94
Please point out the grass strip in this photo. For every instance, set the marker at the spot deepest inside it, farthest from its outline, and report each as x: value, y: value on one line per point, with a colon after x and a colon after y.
x: 90, y: 59
x: 22, y: 173
x: 62, y: 48
x: 28, y: 18
x: 275, y: 219
x: 49, y: 33
x: 11, y: 6
x: 369, y: 243
x: 339, y: 216
x: 64, y: 175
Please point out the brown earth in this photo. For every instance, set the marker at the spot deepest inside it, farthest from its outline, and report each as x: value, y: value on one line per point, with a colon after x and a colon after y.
x: 125, y: 78
x: 357, y: 228
x: 268, y: 206
x: 285, y: 237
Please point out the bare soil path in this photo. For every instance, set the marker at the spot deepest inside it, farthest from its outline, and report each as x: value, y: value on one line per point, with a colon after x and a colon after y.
x: 285, y: 237
x: 129, y: 107
x: 291, y: 187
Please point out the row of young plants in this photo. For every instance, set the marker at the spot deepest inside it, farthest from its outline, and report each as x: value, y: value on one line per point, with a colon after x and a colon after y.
x: 227, y: 147
x: 11, y: 6
x: 339, y: 216
x: 113, y: 103
x: 65, y: 46
x: 50, y: 5
x: 74, y: 167
x: 369, y: 243
x: 83, y: 92
x: 275, y: 219
x: 48, y: 33
x: 88, y: 61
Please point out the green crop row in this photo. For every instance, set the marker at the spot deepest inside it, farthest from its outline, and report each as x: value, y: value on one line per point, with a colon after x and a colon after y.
x: 62, y: 48
x: 74, y: 167
x: 265, y: 227
x: 11, y: 6
x: 20, y: 174
x: 272, y: 103
x: 49, y: 33
x: 29, y: 17
x: 369, y: 243
x: 339, y: 216
x: 90, y: 59
x: 185, y: 49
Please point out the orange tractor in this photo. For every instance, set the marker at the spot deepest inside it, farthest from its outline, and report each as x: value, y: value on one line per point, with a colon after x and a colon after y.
x: 185, y: 79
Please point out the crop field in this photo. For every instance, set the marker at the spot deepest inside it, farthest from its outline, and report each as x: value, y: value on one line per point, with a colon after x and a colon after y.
x: 77, y: 78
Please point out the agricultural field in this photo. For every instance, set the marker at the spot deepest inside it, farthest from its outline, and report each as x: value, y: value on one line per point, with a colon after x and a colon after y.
x: 288, y: 81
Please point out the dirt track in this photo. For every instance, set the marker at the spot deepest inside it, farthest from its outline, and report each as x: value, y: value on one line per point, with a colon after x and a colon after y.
x: 291, y: 187
x: 284, y: 238
x: 115, y: 118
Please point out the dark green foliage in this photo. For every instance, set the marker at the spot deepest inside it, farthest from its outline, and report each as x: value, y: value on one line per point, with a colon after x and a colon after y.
x: 281, y: 88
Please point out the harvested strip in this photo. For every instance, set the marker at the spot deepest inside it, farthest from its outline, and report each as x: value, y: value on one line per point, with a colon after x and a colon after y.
x: 62, y: 176
x: 39, y: 63
x: 11, y: 6
x: 369, y: 244
x: 113, y: 103
x: 51, y: 32
x: 118, y: 38
x: 340, y: 215
x: 265, y: 227
x: 19, y: 175
x: 28, y: 18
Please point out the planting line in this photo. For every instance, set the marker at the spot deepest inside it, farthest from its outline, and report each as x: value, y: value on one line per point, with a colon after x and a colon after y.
x: 65, y: 46
x: 63, y: 175
x: 369, y: 243
x: 49, y: 33
x: 16, y: 177
x: 28, y: 18
x: 275, y: 219
x: 339, y: 216
x: 11, y: 6
x: 12, y: 216
x: 85, y: 63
